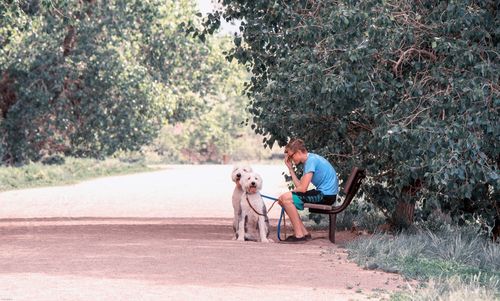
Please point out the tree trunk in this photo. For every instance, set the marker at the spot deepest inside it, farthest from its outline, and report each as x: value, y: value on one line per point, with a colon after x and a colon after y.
x: 7, y: 93
x: 403, y: 214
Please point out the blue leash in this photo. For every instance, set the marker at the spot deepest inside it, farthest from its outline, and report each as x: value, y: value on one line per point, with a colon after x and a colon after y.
x: 268, y: 197
x: 281, y: 216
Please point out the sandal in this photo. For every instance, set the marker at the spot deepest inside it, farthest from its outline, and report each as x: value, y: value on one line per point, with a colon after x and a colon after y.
x: 294, y: 239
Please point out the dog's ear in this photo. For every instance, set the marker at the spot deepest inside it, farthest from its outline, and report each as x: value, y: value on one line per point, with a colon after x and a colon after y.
x: 259, y: 181
x: 247, y: 169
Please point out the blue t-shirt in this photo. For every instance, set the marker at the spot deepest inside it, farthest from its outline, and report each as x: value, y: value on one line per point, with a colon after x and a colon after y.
x: 324, y: 175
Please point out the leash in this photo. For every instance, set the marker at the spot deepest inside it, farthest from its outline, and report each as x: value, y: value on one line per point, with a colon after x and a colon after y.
x: 249, y: 204
x: 261, y: 214
x: 282, y: 216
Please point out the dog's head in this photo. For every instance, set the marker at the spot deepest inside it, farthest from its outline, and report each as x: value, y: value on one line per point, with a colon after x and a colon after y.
x: 238, y: 171
x: 251, y: 182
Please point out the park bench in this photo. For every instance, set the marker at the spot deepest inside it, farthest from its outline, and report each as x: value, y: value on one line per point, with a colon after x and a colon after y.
x: 350, y: 189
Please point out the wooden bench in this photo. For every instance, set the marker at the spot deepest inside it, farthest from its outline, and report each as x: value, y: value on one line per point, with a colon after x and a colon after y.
x: 350, y: 189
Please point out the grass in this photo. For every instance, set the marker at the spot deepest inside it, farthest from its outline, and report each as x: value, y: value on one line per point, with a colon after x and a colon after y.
x: 450, y: 289
x: 453, y: 264
x: 72, y: 171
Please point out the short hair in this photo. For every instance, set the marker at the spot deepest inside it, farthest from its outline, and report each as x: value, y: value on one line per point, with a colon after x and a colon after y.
x: 295, y: 145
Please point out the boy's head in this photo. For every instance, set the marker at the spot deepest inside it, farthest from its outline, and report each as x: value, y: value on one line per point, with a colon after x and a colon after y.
x: 294, y: 146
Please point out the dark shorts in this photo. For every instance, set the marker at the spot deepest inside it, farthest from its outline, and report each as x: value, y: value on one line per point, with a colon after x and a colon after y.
x: 311, y: 196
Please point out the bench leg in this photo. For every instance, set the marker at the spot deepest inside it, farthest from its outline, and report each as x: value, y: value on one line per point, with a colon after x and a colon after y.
x: 333, y: 225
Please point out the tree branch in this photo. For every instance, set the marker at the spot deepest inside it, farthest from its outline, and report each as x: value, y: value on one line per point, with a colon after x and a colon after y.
x: 408, y: 52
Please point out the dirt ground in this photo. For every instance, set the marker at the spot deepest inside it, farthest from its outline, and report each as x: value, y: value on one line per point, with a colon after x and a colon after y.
x: 80, y: 242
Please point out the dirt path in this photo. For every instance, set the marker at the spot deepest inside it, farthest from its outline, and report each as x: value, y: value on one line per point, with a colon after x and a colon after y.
x: 129, y: 256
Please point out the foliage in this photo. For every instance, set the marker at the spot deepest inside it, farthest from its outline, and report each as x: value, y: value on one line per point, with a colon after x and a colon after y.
x: 216, y: 132
x: 407, y: 89
x: 89, y: 78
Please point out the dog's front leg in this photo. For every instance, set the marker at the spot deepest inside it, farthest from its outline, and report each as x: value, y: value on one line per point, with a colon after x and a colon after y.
x: 263, y: 230
x: 241, y: 227
x: 236, y: 199
x: 236, y: 221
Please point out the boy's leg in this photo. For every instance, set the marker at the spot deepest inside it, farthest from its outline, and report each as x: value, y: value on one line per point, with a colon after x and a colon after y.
x: 286, y: 201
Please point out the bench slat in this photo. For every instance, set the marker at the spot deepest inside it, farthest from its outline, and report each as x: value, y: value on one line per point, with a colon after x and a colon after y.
x: 318, y: 206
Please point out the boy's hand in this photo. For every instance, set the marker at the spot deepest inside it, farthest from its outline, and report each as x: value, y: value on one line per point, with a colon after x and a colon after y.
x: 288, y: 161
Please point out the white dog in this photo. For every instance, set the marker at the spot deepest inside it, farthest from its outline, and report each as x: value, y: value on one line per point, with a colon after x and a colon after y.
x: 253, y: 223
x: 238, y: 171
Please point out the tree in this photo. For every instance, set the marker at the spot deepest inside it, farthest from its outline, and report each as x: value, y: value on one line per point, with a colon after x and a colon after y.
x: 214, y: 134
x: 407, y: 89
x: 89, y: 78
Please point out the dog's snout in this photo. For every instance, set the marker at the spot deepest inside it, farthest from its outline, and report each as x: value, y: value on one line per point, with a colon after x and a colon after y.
x: 238, y: 175
x: 253, y: 183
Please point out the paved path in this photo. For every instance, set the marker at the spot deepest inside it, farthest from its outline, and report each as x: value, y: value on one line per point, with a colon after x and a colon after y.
x: 163, y: 235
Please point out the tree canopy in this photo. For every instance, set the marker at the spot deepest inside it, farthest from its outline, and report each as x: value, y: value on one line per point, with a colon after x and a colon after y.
x: 88, y: 78
x: 407, y: 89
x: 215, y: 134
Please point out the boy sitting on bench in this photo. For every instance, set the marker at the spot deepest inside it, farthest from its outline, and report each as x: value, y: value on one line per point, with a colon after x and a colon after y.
x: 319, y: 172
